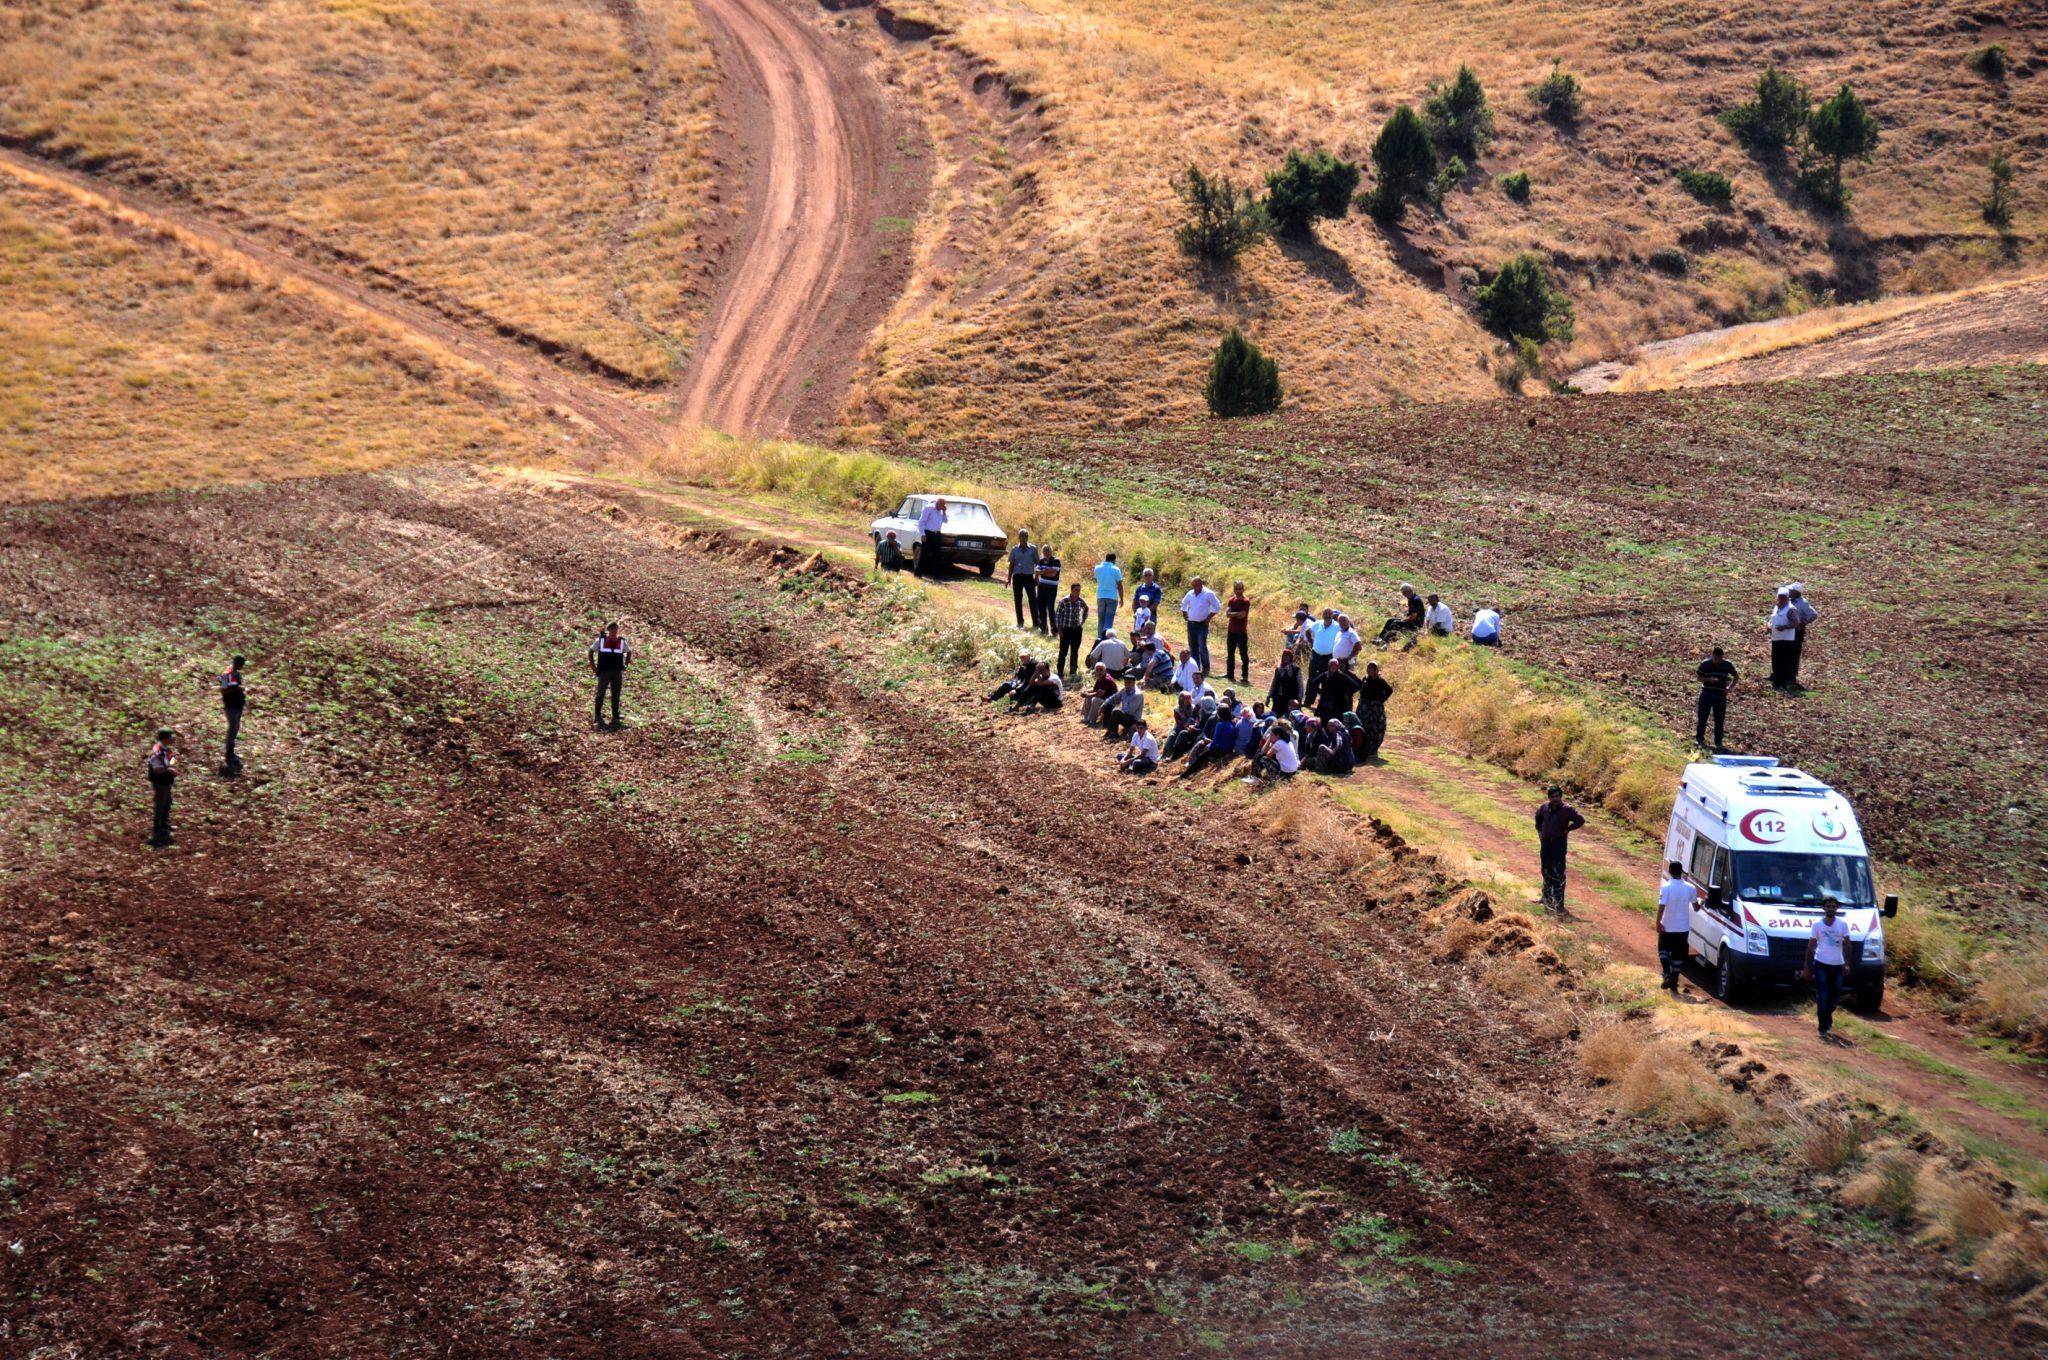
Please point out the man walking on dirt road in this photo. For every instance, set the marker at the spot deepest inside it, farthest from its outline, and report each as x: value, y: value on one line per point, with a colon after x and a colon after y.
x: 1825, y: 965
x: 1024, y: 579
x: 1717, y: 678
x: 1555, y: 821
x: 609, y: 656
x: 233, y: 698
x: 1070, y: 618
x: 1675, y: 901
x: 163, y: 773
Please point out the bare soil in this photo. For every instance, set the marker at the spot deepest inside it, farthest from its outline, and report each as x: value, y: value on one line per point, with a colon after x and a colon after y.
x: 795, y: 1018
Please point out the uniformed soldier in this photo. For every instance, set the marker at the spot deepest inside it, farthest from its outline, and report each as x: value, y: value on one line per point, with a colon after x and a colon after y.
x: 163, y: 772
x: 233, y: 698
x: 609, y: 656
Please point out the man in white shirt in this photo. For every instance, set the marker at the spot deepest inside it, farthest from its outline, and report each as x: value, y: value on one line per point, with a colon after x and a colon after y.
x: 1784, y: 628
x: 1436, y: 620
x: 930, y: 521
x: 1323, y: 635
x: 1826, y: 964
x: 1198, y: 606
x: 1486, y: 627
x: 1675, y: 901
x: 1142, y: 755
x: 1187, y: 676
x: 1348, y: 641
x: 1112, y: 652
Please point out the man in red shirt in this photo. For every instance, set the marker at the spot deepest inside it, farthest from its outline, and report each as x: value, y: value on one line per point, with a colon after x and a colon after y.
x: 1237, y: 638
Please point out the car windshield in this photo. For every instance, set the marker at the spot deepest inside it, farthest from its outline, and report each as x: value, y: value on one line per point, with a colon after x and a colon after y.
x: 1803, y: 880
x: 969, y: 517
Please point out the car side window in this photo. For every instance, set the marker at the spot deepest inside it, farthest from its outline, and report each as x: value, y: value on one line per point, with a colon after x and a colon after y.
x: 910, y: 509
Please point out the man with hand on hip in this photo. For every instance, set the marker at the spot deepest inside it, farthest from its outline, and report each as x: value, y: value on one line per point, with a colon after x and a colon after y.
x: 1199, y: 606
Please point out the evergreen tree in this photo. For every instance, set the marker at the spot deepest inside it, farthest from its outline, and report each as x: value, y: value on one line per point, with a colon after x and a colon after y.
x: 2002, y: 200
x: 1242, y: 381
x: 1223, y: 221
x: 1403, y: 164
x: 1459, y: 117
x: 1520, y: 302
x: 1840, y: 130
x: 1308, y: 187
x: 1775, y: 118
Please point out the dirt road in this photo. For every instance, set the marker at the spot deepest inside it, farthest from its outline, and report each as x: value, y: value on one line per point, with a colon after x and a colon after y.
x: 809, y: 281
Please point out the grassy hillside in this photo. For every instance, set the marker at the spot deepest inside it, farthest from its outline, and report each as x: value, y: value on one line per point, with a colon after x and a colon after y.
x: 1061, y: 297
x: 540, y: 164
x: 124, y: 366
x: 1625, y: 535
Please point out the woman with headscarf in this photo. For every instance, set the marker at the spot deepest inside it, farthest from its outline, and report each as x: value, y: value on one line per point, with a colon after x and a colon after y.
x: 1373, y: 694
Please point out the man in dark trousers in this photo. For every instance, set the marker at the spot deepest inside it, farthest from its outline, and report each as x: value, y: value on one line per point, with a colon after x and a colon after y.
x: 1826, y: 963
x: 1024, y: 579
x: 1048, y: 586
x: 1717, y: 678
x: 163, y: 772
x: 1069, y: 619
x: 1675, y: 902
x: 233, y: 698
x: 1555, y: 821
x: 609, y: 657
x: 930, y: 521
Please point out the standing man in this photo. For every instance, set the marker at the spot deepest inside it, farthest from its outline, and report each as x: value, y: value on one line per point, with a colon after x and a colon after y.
x: 233, y: 698
x: 1322, y: 641
x: 1784, y: 628
x: 1048, y: 586
x: 1069, y: 618
x: 1675, y: 901
x: 1149, y: 593
x: 1717, y: 678
x: 930, y: 522
x: 1486, y: 627
x: 1802, y: 615
x: 1199, y: 606
x: 609, y: 656
x: 1555, y: 821
x: 163, y: 772
x: 1109, y: 592
x: 1237, y: 634
x: 1825, y: 964
x: 1024, y: 578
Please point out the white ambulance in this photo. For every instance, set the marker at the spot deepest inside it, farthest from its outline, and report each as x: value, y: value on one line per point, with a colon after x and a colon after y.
x: 1766, y: 844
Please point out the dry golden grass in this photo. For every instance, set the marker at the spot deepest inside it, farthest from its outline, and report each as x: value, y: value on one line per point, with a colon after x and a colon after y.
x: 1660, y: 1080
x: 2014, y: 1261
x: 125, y: 367
x: 1829, y: 1143
x: 1060, y: 297
x: 1890, y: 1188
x: 488, y: 152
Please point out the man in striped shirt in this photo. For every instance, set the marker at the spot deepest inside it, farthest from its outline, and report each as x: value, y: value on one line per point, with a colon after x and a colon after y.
x: 1069, y: 619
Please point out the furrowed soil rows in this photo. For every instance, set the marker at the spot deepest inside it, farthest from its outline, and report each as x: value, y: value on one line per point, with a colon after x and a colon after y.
x: 806, y: 1024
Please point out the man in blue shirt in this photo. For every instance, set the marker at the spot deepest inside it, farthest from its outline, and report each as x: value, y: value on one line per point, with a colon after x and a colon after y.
x: 930, y: 521
x: 1109, y: 592
x: 1148, y: 593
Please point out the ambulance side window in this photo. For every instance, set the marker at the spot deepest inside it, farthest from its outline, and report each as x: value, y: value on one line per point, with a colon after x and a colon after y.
x: 1702, y: 865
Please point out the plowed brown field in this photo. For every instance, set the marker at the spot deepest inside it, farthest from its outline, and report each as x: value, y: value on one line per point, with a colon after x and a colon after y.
x: 791, y: 1020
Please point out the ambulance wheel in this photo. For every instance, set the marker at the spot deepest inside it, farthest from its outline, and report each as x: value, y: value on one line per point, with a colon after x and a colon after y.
x: 1728, y: 981
x: 1871, y: 998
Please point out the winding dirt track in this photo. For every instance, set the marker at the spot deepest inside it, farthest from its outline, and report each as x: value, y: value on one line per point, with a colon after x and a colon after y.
x: 790, y: 306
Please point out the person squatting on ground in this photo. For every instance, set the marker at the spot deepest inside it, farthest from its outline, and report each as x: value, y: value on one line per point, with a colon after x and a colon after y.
x: 163, y: 773
x: 1675, y: 903
x: 1437, y: 620
x: 234, y: 697
x: 1486, y: 627
x: 1124, y: 711
x: 1277, y: 756
x: 1717, y: 680
x: 1237, y: 635
x: 609, y: 656
x: 1826, y: 963
x: 1111, y: 651
x: 1109, y: 592
x: 931, y: 521
x: 1024, y: 579
x: 1555, y: 821
x: 1070, y: 618
x: 1048, y: 587
x: 1101, y: 689
x: 889, y: 553
x: 1409, y: 621
x: 1199, y: 606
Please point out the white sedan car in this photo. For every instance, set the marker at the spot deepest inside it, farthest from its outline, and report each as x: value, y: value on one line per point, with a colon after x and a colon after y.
x: 971, y: 536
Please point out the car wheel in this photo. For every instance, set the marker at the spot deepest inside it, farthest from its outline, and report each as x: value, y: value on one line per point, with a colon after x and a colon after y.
x: 988, y: 569
x: 1871, y: 998
x: 1728, y: 978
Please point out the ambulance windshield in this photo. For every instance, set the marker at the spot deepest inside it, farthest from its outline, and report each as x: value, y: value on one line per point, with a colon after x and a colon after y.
x: 1803, y: 880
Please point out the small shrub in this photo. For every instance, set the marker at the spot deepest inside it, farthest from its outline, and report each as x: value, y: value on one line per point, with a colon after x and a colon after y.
x: 1989, y: 62
x: 1558, y: 95
x: 1242, y: 381
x: 1775, y: 118
x: 1448, y: 177
x: 1403, y: 164
x: 2014, y: 1261
x: 1520, y: 302
x: 1830, y: 1144
x: 1999, y: 203
x: 1516, y: 186
x: 1459, y: 118
x: 1308, y: 187
x: 1890, y: 1189
x: 1707, y: 186
x: 1607, y: 1053
x: 1840, y: 130
x: 1223, y: 221
x: 1969, y: 1216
